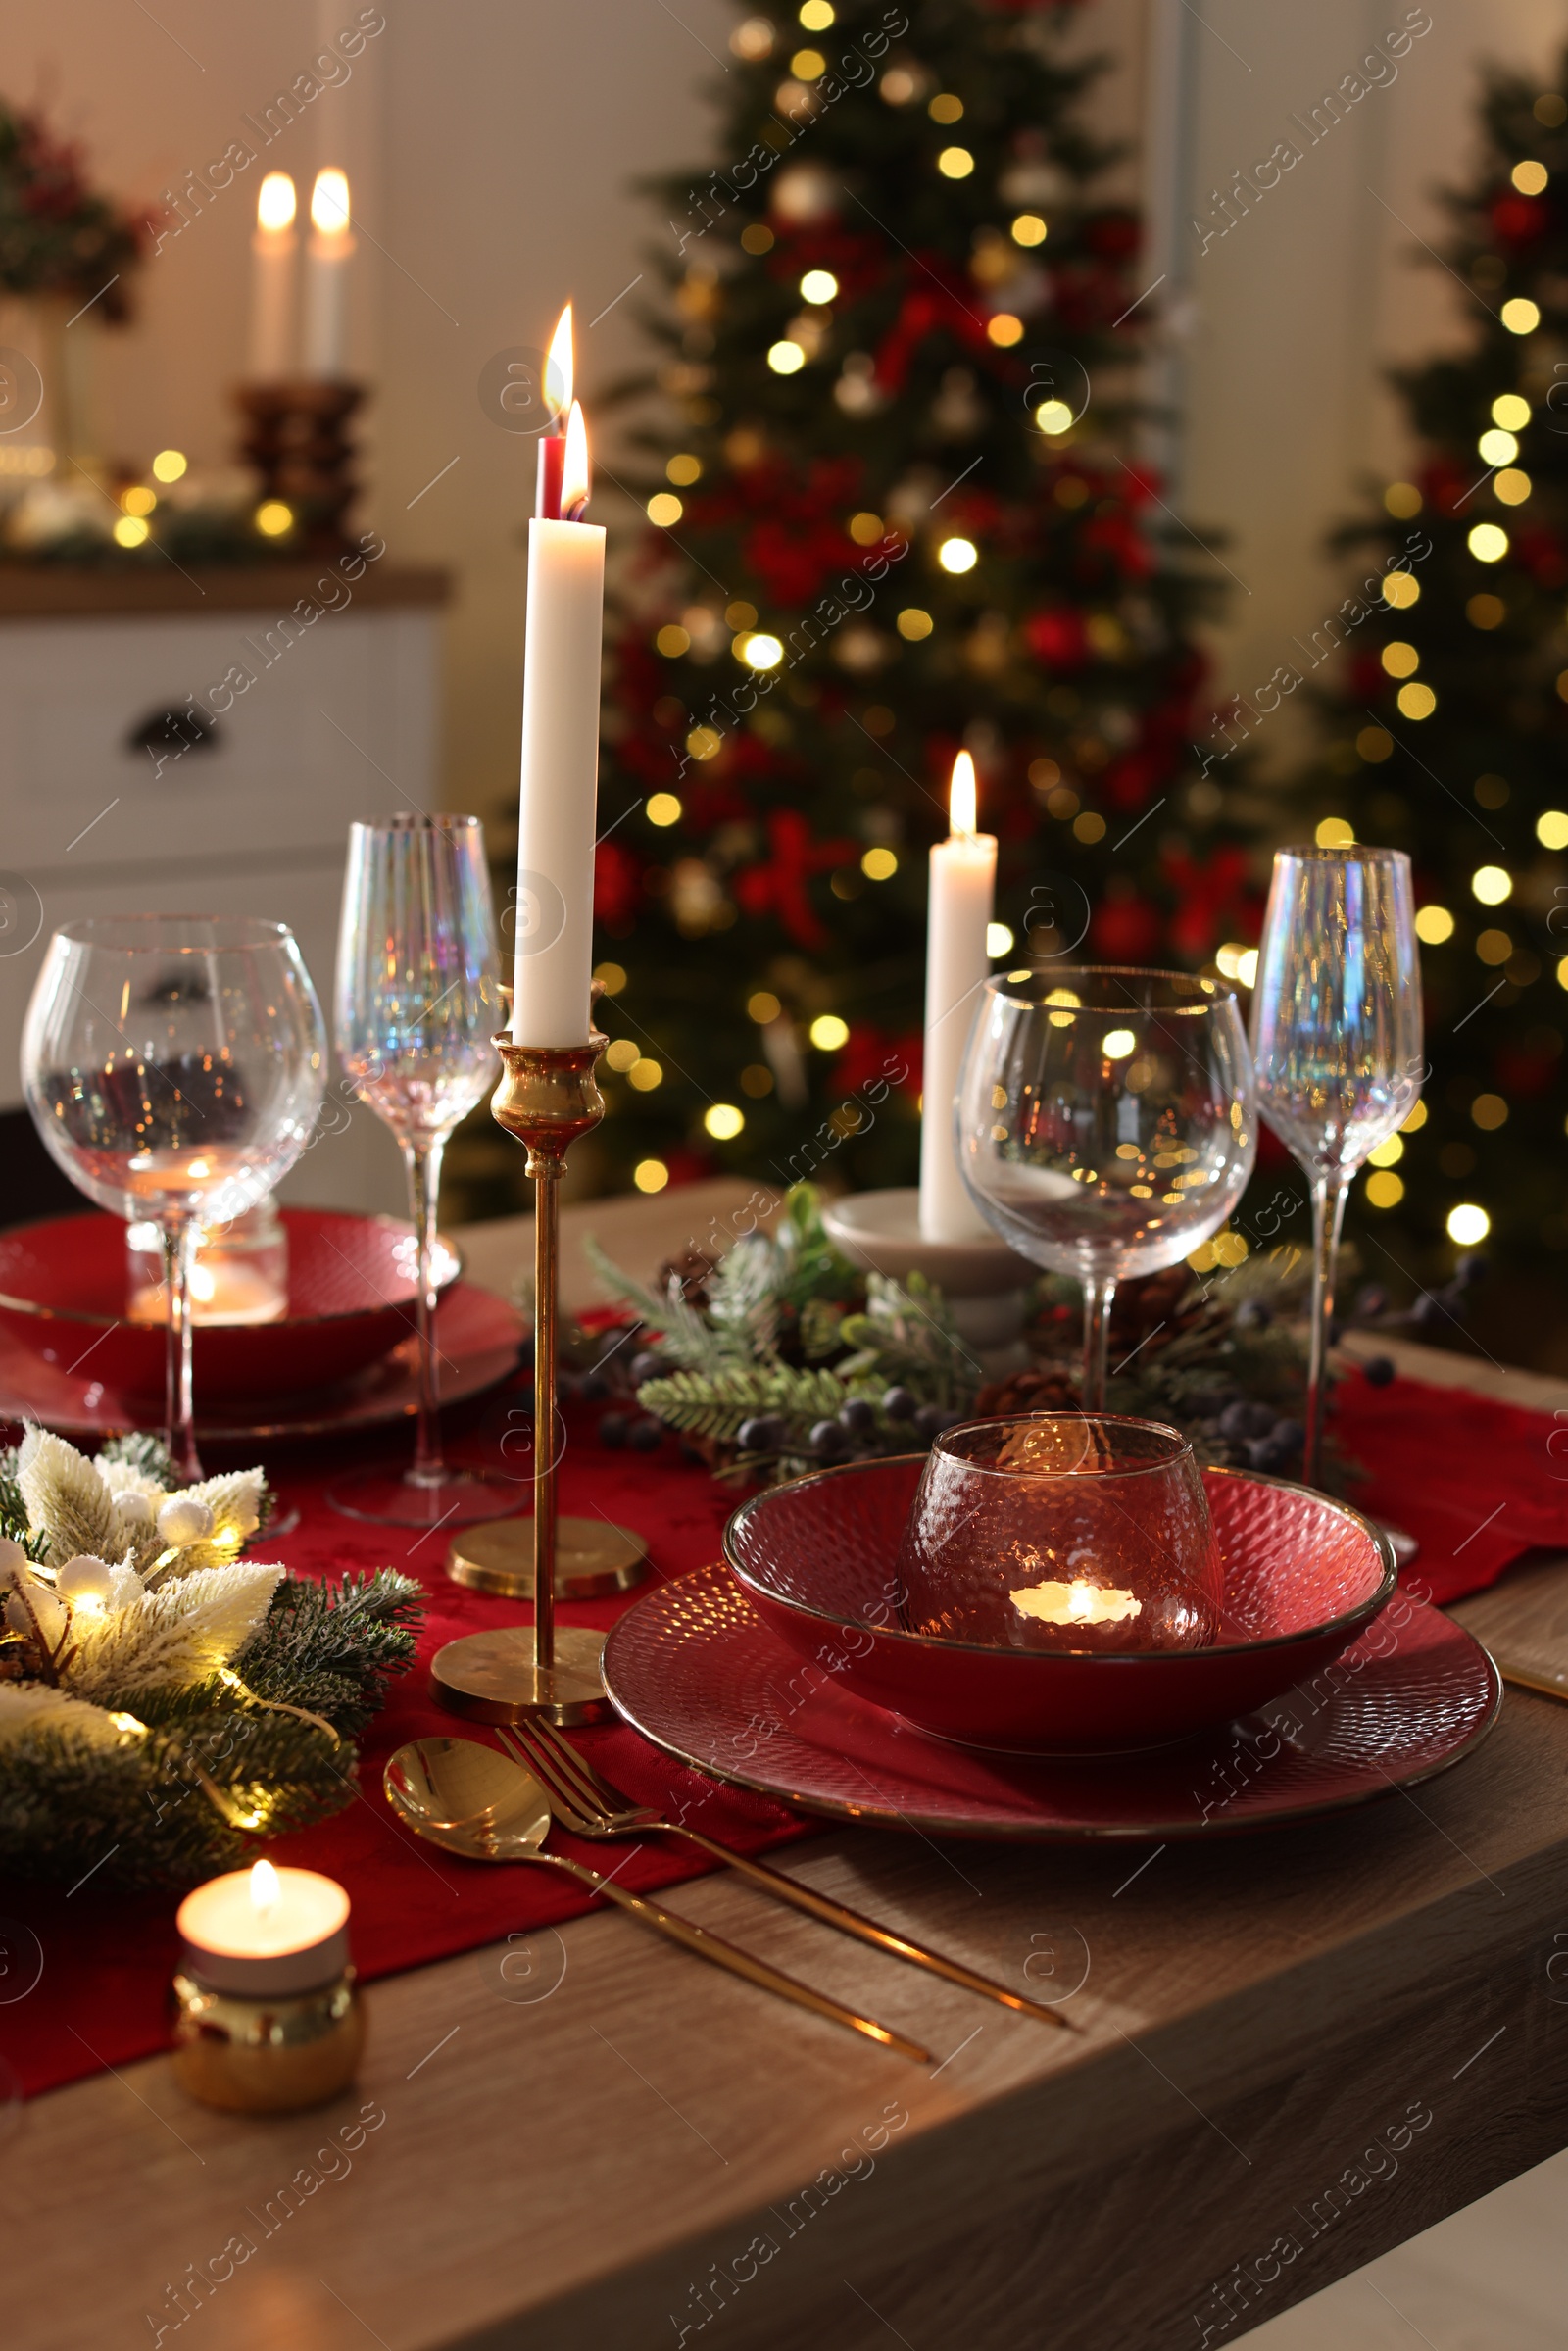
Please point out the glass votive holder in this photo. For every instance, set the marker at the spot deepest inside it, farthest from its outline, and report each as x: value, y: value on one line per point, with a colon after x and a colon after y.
x: 1070, y: 1531
x: 240, y: 1274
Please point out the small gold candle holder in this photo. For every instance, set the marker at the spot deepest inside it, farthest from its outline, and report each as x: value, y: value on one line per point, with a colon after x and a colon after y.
x: 260, y: 2053
x: 548, y: 1097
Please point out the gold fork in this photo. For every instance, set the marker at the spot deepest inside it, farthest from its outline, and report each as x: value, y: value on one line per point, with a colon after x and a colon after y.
x: 584, y: 1802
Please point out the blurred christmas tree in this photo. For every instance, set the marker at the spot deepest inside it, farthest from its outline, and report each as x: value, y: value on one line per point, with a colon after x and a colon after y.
x: 889, y: 520
x: 1450, y: 714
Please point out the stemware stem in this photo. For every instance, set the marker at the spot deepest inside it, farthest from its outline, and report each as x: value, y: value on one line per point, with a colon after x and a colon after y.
x: 180, y: 1236
x: 1098, y: 1296
x: 423, y: 1158
x: 1328, y: 1217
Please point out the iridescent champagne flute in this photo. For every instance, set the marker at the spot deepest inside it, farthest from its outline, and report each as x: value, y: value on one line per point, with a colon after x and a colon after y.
x: 174, y: 1065
x: 1105, y: 1125
x: 1336, y: 1042
x: 417, y: 1002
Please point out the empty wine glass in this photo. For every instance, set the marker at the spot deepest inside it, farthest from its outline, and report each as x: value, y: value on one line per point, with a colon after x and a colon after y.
x: 1105, y: 1125
x: 1337, y: 1041
x: 417, y: 1002
x: 174, y: 1065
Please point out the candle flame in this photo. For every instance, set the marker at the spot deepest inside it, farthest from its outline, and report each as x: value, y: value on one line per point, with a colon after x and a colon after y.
x: 559, y: 365
x: 264, y: 1888
x: 276, y: 201
x: 576, y: 477
x: 330, y: 203
x: 962, y: 799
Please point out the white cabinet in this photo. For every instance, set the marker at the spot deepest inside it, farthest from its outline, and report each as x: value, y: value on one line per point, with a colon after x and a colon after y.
x: 338, y: 724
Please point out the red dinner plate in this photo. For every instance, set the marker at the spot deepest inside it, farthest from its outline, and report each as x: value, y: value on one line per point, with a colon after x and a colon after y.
x: 694, y: 1668
x: 477, y: 1335
x: 350, y: 1280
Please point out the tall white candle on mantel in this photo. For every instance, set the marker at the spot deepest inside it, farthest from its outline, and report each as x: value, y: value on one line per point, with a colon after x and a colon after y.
x: 963, y: 881
x: 274, y: 249
x: 559, y: 800
x: 326, y: 280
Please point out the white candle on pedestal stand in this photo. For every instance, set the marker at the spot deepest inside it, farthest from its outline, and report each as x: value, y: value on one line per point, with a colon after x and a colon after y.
x: 276, y: 248
x: 963, y: 877
x: 326, y: 285
x: 560, y: 798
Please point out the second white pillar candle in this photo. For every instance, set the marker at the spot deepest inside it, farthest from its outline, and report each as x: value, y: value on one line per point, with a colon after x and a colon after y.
x: 963, y: 893
x: 557, y: 815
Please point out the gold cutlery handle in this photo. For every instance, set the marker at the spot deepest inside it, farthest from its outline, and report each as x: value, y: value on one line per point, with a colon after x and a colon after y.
x: 852, y: 1922
x: 712, y: 1948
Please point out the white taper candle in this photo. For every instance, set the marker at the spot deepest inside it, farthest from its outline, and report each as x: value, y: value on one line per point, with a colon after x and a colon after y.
x: 962, y: 891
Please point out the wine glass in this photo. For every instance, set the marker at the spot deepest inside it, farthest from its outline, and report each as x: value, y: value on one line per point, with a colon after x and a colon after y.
x: 417, y: 1002
x: 1105, y: 1125
x: 174, y: 1065
x: 1337, y: 1041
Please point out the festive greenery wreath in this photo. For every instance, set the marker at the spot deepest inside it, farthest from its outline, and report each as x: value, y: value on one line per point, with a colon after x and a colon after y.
x: 163, y: 1700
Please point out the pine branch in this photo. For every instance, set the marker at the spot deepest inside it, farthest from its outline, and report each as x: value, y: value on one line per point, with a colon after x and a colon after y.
x: 680, y: 1330
x: 714, y: 1404
x: 333, y: 1646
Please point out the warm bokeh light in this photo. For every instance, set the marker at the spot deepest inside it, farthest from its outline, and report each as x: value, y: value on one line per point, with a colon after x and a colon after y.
x: 645, y: 1075
x: 724, y: 1121
x: 816, y: 15
x: 137, y: 500
x: 1053, y: 416
x: 1497, y: 448
x: 1551, y: 828
x: 818, y: 286
x: 956, y: 163
x: 1511, y: 411
x: 1492, y: 884
x: 1434, y: 924
x: 663, y: 808
x: 1468, y: 1223
x: 1029, y: 229
x: 171, y: 465
x: 611, y: 977
x: 828, y: 1032
x: 786, y: 358
x: 1416, y: 700
x: 1400, y: 660
x: 1005, y: 330
x: 650, y: 1175
x: 1384, y: 1189
x: 963, y: 796
x: 1487, y: 543
x: 1513, y: 486
x: 999, y: 940
x: 665, y: 508
x: 1400, y: 590
x: 130, y: 531
x: 1117, y: 1045
x: 683, y: 470
x: 879, y: 864
x: 1520, y: 316
x: 1335, y: 833
x: 913, y: 624
x: 957, y: 554
x: 760, y: 650
x: 672, y: 641
x: 762, y: 1006
x: 330, y: 203
x: 1529, y: 178
x: 275, y: 203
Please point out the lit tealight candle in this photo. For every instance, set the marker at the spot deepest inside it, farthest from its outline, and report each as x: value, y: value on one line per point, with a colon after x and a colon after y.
x: 1076, y: 1603
x: 964, y: 876
x: 264, y: 1932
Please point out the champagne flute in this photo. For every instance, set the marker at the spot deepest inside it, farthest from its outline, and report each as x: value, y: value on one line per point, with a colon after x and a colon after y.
x: 1105, y: 1125
x: 174, y: 1065
x: 417, y: 1002
x: 1336, y: 1042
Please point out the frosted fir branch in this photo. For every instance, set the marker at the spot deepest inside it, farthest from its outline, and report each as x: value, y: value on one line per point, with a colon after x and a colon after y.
x: 66, y: 1499
x: 682, y: 1333
x: 178, y: 1635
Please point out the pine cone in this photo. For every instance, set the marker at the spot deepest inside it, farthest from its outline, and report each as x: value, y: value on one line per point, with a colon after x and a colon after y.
x: 692, y: 1269
x: 1027, y: 1392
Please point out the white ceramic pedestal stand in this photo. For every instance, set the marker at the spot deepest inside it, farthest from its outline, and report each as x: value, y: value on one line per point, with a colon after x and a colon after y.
x: 984, y: 1284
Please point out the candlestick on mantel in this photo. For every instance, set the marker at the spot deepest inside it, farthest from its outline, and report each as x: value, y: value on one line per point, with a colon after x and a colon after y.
x: 326, y: 262
x: 560, y: 796
x: 558, y: 391
x: 964, y: 875
x: 275, y: 250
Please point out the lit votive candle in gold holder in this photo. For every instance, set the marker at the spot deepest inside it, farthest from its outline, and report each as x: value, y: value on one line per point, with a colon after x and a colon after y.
x: 268, y: 2017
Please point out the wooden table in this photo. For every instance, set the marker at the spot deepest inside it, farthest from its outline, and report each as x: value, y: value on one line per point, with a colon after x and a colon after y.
x: 1295, y: 2051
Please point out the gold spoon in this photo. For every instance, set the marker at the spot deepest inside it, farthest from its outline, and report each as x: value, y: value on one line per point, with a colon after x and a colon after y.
x: 470, y: 1800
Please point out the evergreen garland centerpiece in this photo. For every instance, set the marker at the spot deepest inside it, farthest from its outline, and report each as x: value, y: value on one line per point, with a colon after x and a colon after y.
x: 164, y: 1699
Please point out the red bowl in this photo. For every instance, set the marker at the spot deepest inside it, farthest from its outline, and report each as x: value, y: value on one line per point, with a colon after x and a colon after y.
x: 350, y: 1285
x: 819, y: 1560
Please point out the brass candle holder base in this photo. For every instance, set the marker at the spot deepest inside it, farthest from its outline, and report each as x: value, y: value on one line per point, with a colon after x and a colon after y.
x: 255, y: 2055
x: 494, y: 1677
x: 594, y: 1558
x: 547, y: 1097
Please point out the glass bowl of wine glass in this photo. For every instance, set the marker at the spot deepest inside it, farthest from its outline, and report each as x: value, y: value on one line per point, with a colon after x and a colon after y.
x: 1105, y: 1125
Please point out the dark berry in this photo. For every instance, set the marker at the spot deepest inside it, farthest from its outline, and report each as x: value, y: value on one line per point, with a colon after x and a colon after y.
x: 828, y: 1441
x: 593, y: 1387
x: 931, y: 1420
x: 900, y: 1404
x: 1379, y: 1370
x: 1241, y: 1420
x: 647, y: 1366
x: 1264, y: 1453
x: 645, y: 1436
x: 1253, y: 1315
x: 612, y: 1431
x: 755, y: 1435
x: 857, y: 1416
x: 1290, y: 1435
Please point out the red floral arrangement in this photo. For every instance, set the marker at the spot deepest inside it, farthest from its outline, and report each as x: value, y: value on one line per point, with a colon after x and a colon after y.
x: 55, y: 235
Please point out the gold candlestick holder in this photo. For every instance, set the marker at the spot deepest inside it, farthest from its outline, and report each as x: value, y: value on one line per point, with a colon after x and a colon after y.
x: 548, y: 1097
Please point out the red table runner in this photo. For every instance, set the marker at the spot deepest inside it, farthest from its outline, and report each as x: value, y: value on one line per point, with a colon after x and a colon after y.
x: 1474, y: 1480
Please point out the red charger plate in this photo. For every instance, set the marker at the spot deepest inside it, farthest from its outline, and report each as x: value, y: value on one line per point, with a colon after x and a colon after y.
x: 694, y: 1668
x: 478, y: 1338
x: 819, y: 1559
x: 350, y: 1281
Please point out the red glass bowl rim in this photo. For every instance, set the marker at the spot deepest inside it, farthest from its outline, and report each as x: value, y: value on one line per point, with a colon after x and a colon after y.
x: 288, y: 1322
x: 1182, y: 1447
x: 1126, y: 1658
x: 1201, y: 996
x: 91, y: 930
